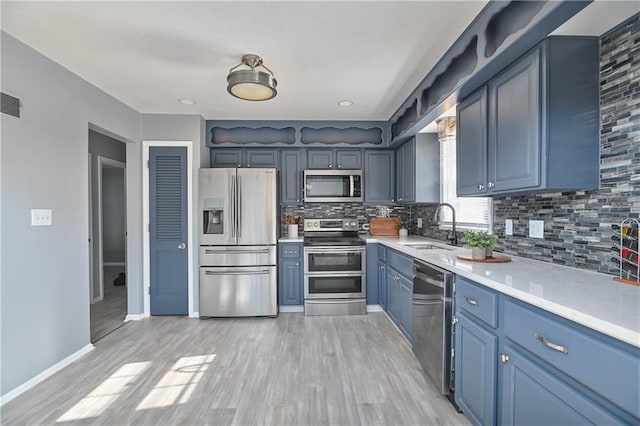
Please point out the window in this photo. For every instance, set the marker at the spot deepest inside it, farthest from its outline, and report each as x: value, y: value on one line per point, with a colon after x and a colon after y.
x: 471, y: 212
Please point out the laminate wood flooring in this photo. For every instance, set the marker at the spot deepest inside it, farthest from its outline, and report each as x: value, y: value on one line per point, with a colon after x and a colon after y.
x: 292, y: 370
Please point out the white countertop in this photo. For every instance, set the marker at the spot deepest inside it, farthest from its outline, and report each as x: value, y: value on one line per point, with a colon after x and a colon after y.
x: 588, y: 298
x: 297, y: 239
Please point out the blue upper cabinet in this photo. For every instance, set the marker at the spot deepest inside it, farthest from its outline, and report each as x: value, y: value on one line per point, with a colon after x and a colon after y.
x: 334, y: 159
x: 379, y: 176
x: 262, y: 158
x: 291, y: 176
x: 241, y: 157
x: 418, y: 170
x: 538, y: 116
x: 227, y: 157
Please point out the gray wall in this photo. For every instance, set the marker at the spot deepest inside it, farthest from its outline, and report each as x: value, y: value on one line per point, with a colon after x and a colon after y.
x: 113, y: 215
x: 45, y: 270
x: 164, y: 127
x: 108, y: 147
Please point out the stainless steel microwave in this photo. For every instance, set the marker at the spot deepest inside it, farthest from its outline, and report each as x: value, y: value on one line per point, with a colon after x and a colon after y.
x: 333, y: 186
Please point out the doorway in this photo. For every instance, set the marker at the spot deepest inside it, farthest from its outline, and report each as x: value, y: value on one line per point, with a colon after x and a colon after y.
x: 107, y: 188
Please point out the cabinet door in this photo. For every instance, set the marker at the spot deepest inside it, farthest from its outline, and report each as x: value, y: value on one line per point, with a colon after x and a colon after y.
x: 471, y: 144
x: 515, y: 126
x: 476, y: 352
x: 290, y: 282
x: 382, y: 284
x: 227, y: 157
x: 379, y: 176
x: 406, y: 306
x: 291, y: 177
x: 406, y: 172
x: 266, y: 158
x: 393, y: 290
x: 349, y: 159
x: 372, y: 274
x: 320, y: 158
x: 532, y: 395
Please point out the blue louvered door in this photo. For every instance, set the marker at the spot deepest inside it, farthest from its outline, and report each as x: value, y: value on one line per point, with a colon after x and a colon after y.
x: 168, y: 230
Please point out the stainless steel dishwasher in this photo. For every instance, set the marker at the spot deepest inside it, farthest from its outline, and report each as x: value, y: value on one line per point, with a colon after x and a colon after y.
x: 432, y: 329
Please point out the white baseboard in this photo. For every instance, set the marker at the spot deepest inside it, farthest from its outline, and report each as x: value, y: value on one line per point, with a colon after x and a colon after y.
x: 374, y: 308
x: 45, y: 374
x: 134, y: 317
x: 195, y: 315
x: 113, y: 264
x: 291, y: 308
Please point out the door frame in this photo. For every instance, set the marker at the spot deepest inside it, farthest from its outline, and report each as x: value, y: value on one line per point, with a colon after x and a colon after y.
x: 119, y: 164
x: 146, y: 271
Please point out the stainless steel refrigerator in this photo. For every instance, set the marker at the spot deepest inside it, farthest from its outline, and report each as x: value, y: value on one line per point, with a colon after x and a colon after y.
x: 238, y: 215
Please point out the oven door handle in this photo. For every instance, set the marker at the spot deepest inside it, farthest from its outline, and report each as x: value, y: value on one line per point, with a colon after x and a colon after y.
x: 334, y: 250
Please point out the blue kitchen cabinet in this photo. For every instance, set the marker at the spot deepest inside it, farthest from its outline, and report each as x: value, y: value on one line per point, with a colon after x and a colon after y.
x: 393, y: 295
x: 476, y: 350
x: 379, y: 176
x: 418, y: 170
x: 399, y: 283
x: 382, y: 276
x: 539, y: 118
x: 292, y: 161
x: 334, y: 159
x: 242, y: 157
x: 406, y: 306
x: 534, y: 395
x: 290, y: 274
x: 372, y: 274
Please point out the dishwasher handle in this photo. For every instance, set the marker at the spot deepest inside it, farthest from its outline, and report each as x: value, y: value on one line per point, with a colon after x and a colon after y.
x: 428, y: 279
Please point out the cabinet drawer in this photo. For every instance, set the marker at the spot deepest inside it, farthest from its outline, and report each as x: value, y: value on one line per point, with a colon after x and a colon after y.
x: 401, y: 263
x: 477, y: 301
x: 382, y: 253
x: 604, y: 367
x: 290, y: 251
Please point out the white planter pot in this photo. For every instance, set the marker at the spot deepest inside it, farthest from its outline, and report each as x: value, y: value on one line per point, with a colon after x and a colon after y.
x: 292, y: 231
x: 478, y: 253
x: 404, y: 232
x: 489, y: 251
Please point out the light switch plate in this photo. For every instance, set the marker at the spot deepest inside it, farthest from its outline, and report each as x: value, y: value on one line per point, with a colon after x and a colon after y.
x: 536, y: 228
x: 419, y: 222
x: 508, y: 227
x: 41, y: 217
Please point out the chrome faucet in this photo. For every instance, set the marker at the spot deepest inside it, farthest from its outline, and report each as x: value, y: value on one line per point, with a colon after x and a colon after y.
x: 454, y: 237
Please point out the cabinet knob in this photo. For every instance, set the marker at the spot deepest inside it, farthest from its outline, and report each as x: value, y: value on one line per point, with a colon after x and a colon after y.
x: 298, y: 200
x: 330, y: 166
x: 504, y: 358
x: 491, y: 184
x: 480, y: 187
x: 297, y: 263
x: 339, y: 166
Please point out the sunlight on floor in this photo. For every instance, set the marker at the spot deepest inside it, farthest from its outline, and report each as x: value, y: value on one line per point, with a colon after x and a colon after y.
x: 177, y: 385
x: 106, y: 393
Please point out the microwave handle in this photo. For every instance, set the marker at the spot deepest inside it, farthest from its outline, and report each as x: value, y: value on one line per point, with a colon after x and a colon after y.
x: 351, y: 186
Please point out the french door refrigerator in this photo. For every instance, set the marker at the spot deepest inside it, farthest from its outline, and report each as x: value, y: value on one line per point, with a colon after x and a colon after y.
x: 238, y: 220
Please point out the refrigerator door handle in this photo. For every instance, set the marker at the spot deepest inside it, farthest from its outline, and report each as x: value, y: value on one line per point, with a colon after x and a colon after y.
x: 227, y: 251
x: 233, y: 206
x: 261, y: 272
x: 239, y: 197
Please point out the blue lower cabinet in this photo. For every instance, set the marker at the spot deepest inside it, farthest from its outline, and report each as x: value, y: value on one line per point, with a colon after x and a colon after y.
x: 290, y: 274
x: 532, y: 395
x: 382, y: 284
x: 372, y: 274
x: 476, y: 351
x: 406, y: 306
x: 393, y: 295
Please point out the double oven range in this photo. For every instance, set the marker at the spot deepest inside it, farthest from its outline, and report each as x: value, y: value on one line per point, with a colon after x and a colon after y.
x: 334, y: 268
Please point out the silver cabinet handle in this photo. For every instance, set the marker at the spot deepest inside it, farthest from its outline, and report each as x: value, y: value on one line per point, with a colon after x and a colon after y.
x: 550, y: 345
x: 491, y: 184
x: 480, y: 187
x: 262, y: 272
x: 471, y: 301
x: 181, y: 246
x: 290, y: 252
x: 330, y: 166
x: 504, y: 358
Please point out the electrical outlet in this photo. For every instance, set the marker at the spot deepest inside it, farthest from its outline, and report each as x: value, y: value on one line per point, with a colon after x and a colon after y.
x: 508, y: 227
x: 536, y: 228
x: 419, y: 222
x: 41, y: 217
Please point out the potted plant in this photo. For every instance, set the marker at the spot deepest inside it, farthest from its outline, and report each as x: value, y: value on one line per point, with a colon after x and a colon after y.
x: 292, y: 226
x: 481, y: 244
x: 403, y: 228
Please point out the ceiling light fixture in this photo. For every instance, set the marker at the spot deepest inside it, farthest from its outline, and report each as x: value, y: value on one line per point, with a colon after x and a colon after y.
x: 345, y: 103
x: 186, y: 101
x: 252, y: 84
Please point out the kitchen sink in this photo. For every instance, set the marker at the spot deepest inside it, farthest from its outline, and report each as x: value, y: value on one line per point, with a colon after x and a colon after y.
x: 423, y: 246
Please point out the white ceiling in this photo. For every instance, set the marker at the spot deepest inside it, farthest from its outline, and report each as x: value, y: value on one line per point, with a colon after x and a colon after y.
x: 150, y: 54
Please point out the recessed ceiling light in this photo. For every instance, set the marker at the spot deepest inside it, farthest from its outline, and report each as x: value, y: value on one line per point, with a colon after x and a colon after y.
x: 186, y: 101
x: 345, y: 103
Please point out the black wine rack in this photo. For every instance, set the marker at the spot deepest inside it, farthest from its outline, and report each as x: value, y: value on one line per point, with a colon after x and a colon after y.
x: 627, y: 257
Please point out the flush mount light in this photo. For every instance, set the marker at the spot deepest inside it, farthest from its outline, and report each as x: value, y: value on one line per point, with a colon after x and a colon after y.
x: 186, y: 101
x: 252, y: 84
x: 345, y: 103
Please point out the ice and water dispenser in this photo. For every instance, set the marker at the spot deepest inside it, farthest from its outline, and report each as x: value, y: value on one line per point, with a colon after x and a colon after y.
x: 213, y: 216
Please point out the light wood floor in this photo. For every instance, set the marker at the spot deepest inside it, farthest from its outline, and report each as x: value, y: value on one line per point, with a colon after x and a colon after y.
x: 109, y: 314
x: 292, y: 370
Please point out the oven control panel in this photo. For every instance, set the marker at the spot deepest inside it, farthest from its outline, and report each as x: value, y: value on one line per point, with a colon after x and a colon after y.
x: 330, y: 225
